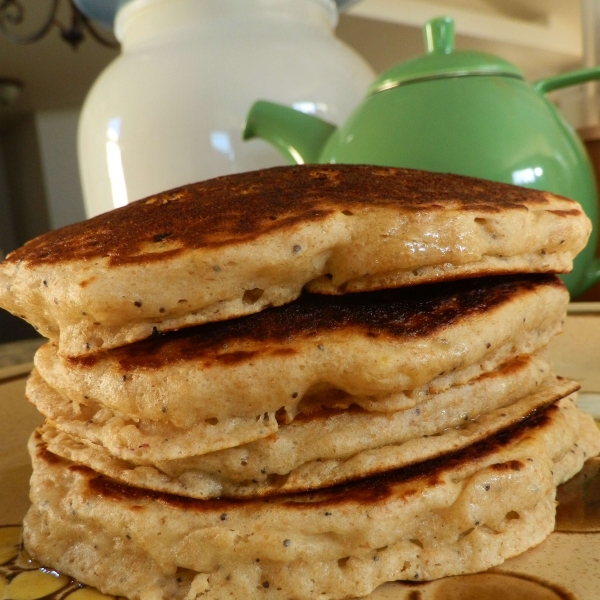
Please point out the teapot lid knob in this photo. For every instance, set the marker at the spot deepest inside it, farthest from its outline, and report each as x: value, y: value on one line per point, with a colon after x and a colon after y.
x: 439, y: 35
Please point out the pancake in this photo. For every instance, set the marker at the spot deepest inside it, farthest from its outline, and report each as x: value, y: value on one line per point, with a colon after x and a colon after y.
x: 144, y: 442
x: 386, y: 349
x: 235, y: 245
x: 328, y: 447
x: 462, y: 513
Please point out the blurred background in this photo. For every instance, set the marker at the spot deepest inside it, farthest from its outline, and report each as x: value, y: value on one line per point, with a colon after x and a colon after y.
x: 43, y: 86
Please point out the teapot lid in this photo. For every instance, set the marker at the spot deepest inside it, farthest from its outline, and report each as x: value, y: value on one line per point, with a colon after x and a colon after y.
x: 442, y: 60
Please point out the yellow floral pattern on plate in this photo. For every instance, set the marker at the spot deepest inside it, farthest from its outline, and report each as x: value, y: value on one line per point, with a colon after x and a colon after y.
x: 21, y: 578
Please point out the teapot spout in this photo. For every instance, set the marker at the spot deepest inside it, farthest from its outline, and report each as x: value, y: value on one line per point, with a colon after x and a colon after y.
x: 298, y: 136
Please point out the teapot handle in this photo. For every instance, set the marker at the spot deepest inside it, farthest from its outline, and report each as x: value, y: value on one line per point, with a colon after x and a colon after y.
x: 543, y: 86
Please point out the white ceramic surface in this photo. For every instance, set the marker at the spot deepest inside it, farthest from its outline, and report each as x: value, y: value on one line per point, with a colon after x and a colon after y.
x: 170, y: 109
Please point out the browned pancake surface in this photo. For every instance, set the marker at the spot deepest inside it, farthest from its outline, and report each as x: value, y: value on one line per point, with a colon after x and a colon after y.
x: 466, y: 514
x: 245, y: 207
x: 365, y: 491
x: 389, y: 314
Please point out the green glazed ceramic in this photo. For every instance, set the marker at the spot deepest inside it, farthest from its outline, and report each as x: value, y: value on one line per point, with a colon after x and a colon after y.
x: 453, y: 111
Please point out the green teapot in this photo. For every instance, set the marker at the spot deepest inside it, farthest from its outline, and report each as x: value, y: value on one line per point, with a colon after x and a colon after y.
x: 453, y: 111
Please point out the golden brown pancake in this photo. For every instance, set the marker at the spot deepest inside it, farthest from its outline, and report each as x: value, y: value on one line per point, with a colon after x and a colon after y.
x: 227, y: 383
x: 238, y: 244
x: 460, y: 513
x: 330, y: 446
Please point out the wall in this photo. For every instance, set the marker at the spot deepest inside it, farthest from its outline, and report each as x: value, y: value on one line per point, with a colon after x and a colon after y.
x: 39, y: 176
x: 24, y: 180
x: 57, y: 141
x: 7, y: 236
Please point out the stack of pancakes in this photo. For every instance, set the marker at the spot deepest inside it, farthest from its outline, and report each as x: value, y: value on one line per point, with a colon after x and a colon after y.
x: 299, y: 382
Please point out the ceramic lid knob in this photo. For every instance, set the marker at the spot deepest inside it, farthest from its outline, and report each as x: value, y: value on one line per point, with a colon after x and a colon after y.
x: 439, y: 35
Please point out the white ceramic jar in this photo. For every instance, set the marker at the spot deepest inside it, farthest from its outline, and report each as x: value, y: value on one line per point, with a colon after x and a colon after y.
x: 170, y: 109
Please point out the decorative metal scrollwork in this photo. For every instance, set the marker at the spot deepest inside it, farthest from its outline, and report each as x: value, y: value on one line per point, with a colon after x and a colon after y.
x: 13, y: 14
